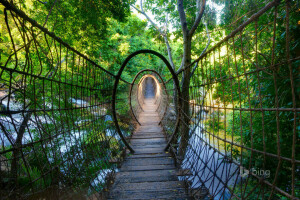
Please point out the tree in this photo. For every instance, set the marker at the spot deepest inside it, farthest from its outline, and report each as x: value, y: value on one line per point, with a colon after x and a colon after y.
x: 79, y: 23
x: 189, y: 22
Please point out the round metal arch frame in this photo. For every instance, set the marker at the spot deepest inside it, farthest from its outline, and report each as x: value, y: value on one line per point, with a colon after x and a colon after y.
x: 118, y: 76
x: 142, y: 79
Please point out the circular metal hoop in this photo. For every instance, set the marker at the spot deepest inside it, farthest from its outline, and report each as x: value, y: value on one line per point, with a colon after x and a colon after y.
x: 131, y: 87
x: 118, y: 76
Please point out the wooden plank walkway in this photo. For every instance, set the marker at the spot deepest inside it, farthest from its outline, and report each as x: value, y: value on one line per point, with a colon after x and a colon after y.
x: 150, y: 172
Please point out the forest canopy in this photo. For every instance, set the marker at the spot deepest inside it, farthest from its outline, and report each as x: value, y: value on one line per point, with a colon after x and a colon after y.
x: 237, y: 64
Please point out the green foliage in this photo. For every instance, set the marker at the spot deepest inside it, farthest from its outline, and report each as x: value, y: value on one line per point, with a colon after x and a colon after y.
x: 108, y: 33
x: 88, y: 19
x: 215, y: 121
x: 267, y: 130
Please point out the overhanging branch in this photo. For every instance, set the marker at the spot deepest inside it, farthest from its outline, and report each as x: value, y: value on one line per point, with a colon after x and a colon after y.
x: 161, y: 32
x: 148, y: 18
x: 204, y: 50
x: 198, y: 19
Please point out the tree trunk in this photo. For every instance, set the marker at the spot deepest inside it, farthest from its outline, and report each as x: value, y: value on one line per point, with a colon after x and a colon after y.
x: 185, y: 116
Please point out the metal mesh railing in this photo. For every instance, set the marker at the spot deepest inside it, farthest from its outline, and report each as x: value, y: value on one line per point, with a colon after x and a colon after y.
x: 243, y: 130
x: 63, y: 123
x: 57, y: 135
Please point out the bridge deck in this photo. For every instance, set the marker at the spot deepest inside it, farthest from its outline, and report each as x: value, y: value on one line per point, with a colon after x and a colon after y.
x: 150, y: 173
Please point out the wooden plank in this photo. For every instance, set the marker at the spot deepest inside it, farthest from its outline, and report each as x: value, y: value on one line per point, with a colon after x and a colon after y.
x: 150, y: 194
x: 149, y: 150
x: 153, y: 143
x: 150, y: 172
x: 149, y: 114
x: 148, y: 161
x: 149, y: 129
x: 149, y: 106
x: 145, y: 123
x: 151, y: 111
x: 146, y: 107
x: 146, y: 176
x: 149, y: 142
x: 148, y: 118
x: 147, y: 146
x: 148, y: 139
x: 147, y: 168
x: 152, y: 134
x: 147, y: 136
x: 149, y: 185
x: 150, y: 155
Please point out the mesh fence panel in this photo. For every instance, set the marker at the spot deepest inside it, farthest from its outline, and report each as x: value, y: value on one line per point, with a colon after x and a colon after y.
x: 244, y: 112
x: 57, y: 135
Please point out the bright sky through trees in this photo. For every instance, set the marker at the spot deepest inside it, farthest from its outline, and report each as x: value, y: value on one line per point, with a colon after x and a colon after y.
x: 212, y: 4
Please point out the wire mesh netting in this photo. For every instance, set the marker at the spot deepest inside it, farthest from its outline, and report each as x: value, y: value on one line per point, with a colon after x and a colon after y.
x: 238, y: 132
x: 242, y: 134
x: 57, y: 136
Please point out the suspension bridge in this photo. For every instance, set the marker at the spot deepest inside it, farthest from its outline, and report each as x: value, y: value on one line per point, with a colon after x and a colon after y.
x: 70, y: 129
